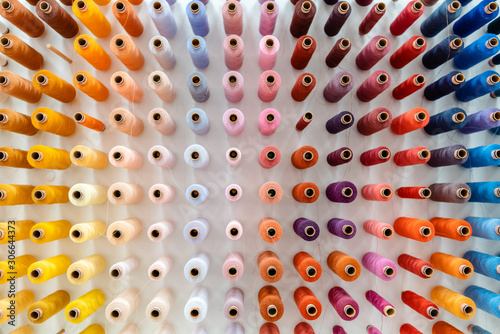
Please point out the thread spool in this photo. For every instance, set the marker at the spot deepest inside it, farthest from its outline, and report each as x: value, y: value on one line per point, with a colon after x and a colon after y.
x: 410, y: 50
x: 233, y: 192
x: 375, y: 156
x: 414, y: 192
x: 306, y: 229
x: 416, y: 266
x: 92, y: 87
x: 453, y: 302
x: 306, y: 192
x: 196, y: 307
x: 18, y: 87
x: 197, y: 121
x: 484, y: 264
x: 444, y: 327
x: 160, y: 156
x: 412, y: 11
x: 410, y: 121
x: 444, y: 86
x: 382, y: 305
x: 374, y: 15
x: 416, y: 229
x: 450, y: 192
x: 304, y: 121
x: 87, y: 47
x: 161, y: 121
x: 380, y: 266
x: 51, y: 85
x: 373, y: 52
x: 16, y: 122
x: 440, y: 18
x: 123, y: 157
x: 374, y: 85
x: 22, y: 18
x: 233, y: 156
x: 268, y: 17
x: 482, y: 84
x: 40, y: 156
x: 87, y: 157
x: 91, y: 16
x: 414, y: 156
x: 269, y: 157
x: 444, y: 51
x: 84, y: 194
x: 44, y: 270
x: 338, y: 330
x: 234, y: 230
x: 13, y: 194
x: 486, y: 300
x: 449, y: 156
x: 270, y: 267
x: 269, y: 120
x: 126, y: 122
x: 377, y: 192
x: 269, y: 84
x: 346, y: 307
x: 163, y: 18
x: 124, y: 85
x: 126, y: 15
x: 85, y: 269
x: 341, y: 192
x: 44, y: 309
x: 483, y: 48
x: 234, y: 121
x: 455, y: 229
x: 482, y: 156
x: 198, y: 51
x: 15, y: 304
x: 234, y: 305
x: 379, y: 229
x: 307, y: 303
x: 304, y: 157
x: 304, y: 50
x: 270, y: 230
x: 448, y: 120
x: 482, y: 120
x: 270, y: 304
x: 196, y: 230
x: 161, y: 193
x: 269, y: 328
x: 45, y: 232
x: 475, y: 329
x: 121, y: 193
x: 375, y: 121
x: 87, y: 231
x: 120, y: 308
x: 123, y: 268
x: 338, y: 16
x: 302, y: 18
x: 232, y: 17
x: 197, y: 193
x: 421, y: 305
x: 233, y: 52
x: 408, y: 87
x: 338, y: 52
x: 16, y: 268
x: 197, y: 16
x: 346, y: 267
x: 198, y: 87
x: 17, y: 50
x: 162, y: 51
x: 487, y: 228
x: 452, y: 265
x: 474, y: 19
x: 160, y: 268
x: 123, y: 231
x: 196, y: 268
x: 20, y: 231
x: 81, y: 308
x: 159, y: 307
x: 342, y: 228
x: 341, y: 83
x: 233, y: 267
x: 130, y: 329
x: 270, y: 193
x: 233, y: 86
x: 307, y: 267
x: 196, y: 156
x: 11, y: 157
x: 235, y: 328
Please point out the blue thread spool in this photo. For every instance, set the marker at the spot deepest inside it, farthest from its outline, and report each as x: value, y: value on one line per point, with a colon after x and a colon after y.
x: 477, y: 17
x: 198, y: 51
x: 484, y: 264
x: 444, y: 86
x: 197, y: 121
x: 485, y: 192
x: 486, y: 300
x: 161, y: 50
x: 196, y: 230
x: 442, y: 52
x: 482, y: 120
x: 483, y: 156
x: 198, y: 19
x: 495, y: 60
x: 475, y: 329
x: 197, y: 193
x: 163, y: 18
x: 196, y: 156
x: 448, y: 156
x: 483, y: 48
x: 441, y: 17
x: 478, y: 86
x: 486, y: 228
x: 340, y: 122
x: 465, y: 2
x: 198, y: 86
x: 448, y: 120
x: 494, y: 27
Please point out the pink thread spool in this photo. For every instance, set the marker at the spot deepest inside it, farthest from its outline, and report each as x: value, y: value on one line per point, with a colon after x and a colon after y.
x: 159, y: 231
x: 270, y: 193
x: 371, y: 54
x: 382, y: 305
x: 233, y: 52
x: 123, y: 120
x: 376, y: 120
x: 269, y: 157
x: 374, y: 85
x: 377, y: 192
x: 268, y: 16
x: 379, y: 229
x: 234, y: 121
x: 269, y: 120
x: 122, y: 193
x: 234, y: 230
x: 232, y: 15
x: 123, y: 157
x: 380, y: 266
x: 268, y: 52
x: 123, y: 83
x: 233, y: 157
x: 233, y: 304
x: 161, y: 193
x: 233, y: 192
x: 233, y: 267
x: 160, y: 156
x: 269, y: 84
x: 161, y: 121
x: 160, y: 268
x: 233, y: 85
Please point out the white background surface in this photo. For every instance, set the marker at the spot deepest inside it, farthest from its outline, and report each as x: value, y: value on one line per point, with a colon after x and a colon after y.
x: 250, y: 176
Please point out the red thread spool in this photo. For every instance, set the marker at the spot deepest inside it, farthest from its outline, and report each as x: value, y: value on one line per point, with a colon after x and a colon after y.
x: 306, y: 192
x: 307, y: 267
x: 414, y: 156
x: 413, y: 228
x: 373, y: 16
x: 270, y: 230
x: 407, y: 17
x: 376, y: 120
x: 305, y: 157
x: 270, y: 267
x: 304, y: 49
x: 269, y: 157
x: 421, y: 305
x: 414, y: 192
x: 416, y: 266
x: 338, y: 52
x: 269, y: 328
x: 411, y: 120
x: 375, y: 156
x: 303, y: 87
x: 408, y: 87
x: 408, y: 329
x: 374, y: 85
x: 309, y: 306
x: 270, y: 304
x: 410, y: 50
x: 377, y: 192
x: 455, y: 229
x: 303, y: 328
x: 304, y: 121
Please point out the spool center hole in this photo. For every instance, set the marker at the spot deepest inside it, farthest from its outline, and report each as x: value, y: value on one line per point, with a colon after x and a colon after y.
x: 193, y: 233
x: 233, y: 192
x: 155, y: 273
x: 76, y: 234
x: 272, y: 272
x: 233, y: 154
x: 270, y: 79
x: 195, y: 155
x: 117, y: 194
x: 387, y: 192
x: 233, y: 312
x: 155, y: 313
x: 115, y: 273
x: 156, y: 154
x: 117, y: 234
x: 310, y: 231
x: 157, y: 193
x: 194, y: 272
x: 77, y: 194
x: 309, y: 192
x: 195, y: 194
x: 194, y: 313
x: 234, y: 231
x: 271, y: 232
x: 75, y: 274
x: 115, y: 313
x: 155, y: 234
x: 232, y: 271
x: 233, y: 118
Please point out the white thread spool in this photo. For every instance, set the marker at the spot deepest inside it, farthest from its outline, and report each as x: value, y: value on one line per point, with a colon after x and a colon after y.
x: 233, y: 157
x: 196, y: 156
x: 196, y: 230
x: 120, y: 308
x: 161, y: 121
x: 196, y: 268
x: 84, y: 194
x: 159, y: 231
x: 197, y: 306
x: 157, y: 310
x: 234, y: 230
x: 160, y: 156
x: 121, y: 269
x: 160, y: 268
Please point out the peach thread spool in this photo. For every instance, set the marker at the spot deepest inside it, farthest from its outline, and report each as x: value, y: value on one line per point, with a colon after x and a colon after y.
x: 14, y: 48
x: 123, y: 157
x: 15, y: 194
x: 127, y: 52
x: 92, y: 17
x: 160, y: 83
x: 270, y: 193
x: 16, y: 122
x: 381, y: 230
x: 40, y: 156
x: 18, y: 87
x: 123, y: 83
x: 87, y: 47
x: 270, y: 304
x: 126, y: 15
x: 270, y: 230
x: 51, y: 85
x: 84, y: 156
x: 346, y: 267
x: 161, y: 121
x: 126, y: 122
x: 270, y: 267
x: 124, y: 231
x: 51, y: 121
x: 233, y: 267
x: 89, y: 122
x: 43, y: 195
x: 11, y: 157
x: 160, y: 268
x: 121, y: 193
x: 92, y: 87
x: 306, y: 192
x: 377, y: 192
x: 307, y: 267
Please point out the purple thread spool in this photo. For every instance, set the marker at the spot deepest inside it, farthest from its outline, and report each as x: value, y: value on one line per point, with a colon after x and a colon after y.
x: 337, y: 18
x: 340, y: 122
x: 380, y: 303
x: 338, y: 157
x: 448, y: 156
x: 341, y: 192
x: 341, y: 84
x: 338, y: 330
x: 482, y: 120
x: 343, y: 228
x: 380, y: 266
x: 450, y: 192
x: 342, y: 302
x: 306, y: 229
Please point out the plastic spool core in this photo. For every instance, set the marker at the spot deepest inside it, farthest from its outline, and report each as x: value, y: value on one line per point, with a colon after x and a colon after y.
x: 120, y: 43
x: 195, y: 194
x: 465, y: 270
x: 307, y: 43
x: 233, y: 118
x: 157, y: 79
x: 195, y: 118
x: 36, y: 155
x: 81, y: 79
x: 194, y: 272
x: 36, y: 273
x: 234, y: 232
x: 270, y: 7
x: 231, y: 8
x: 44, y: 6
x: 387, y: 232
x: 389, y: 311
x: 425, y: 231
x: 458, y: 117
x: 381, y: 44
x: 119, y: 80
x: 233, y: 154
x: 270, y: 80
x: 195, y: 155
x: 306, y: 81
x: 467, y: 309
x: 7, y: 43
x: 193, y: 233
x: 233, y: 43
x: 74, y: 313
x: 270, y: 118
x: 417, y: 7
x: 233, y: 312
x: 8, y: 6
x: 117, y: 193
x: 389, y: 271
x: 83, y: 43
x: 310, y: 231
x: 419, y: 43
x: 117, y: 234
x: 158, y: 7
x: 421, y: 116
x: 349, y: 311
x: 120, y: 6
x: 425, y: 192
x: 3, y: 118
x: 272, y: 311
x: 272, y: 271
x: 195, y: 313
x: 41, y: 117
x: 3, y: 156
x: 76, y: 234
x: 82, y: 6
x: 347, y: 192
x: 156, y: 155
x: 155, y: 313
x: 233, y: 192
x: 464, y: 230
x: 155, y: 234
x: 195, y: 43
x: 42, y: 79
x: 492, y: 6
x: 38, y: 234
x: 344, y: 7
x: 77, y: 195
x: 386, y: 192
x: 157, y: 193
x: 427, y: 271
x: 195, y: 9
x: 232, y: 80
x: 78, y: 155
x: 4, y: 81
x: 382, y: 78
x: 117, y: 156
x: 380, y: 8
x: 115, y: 313
x: 458, y: 79
x: 346, y: 154
x: 424, y: 154
x: 463, y: 193
x: 155, y: 273
x: 35, y: 314
x: 311, y: 271
x: 382, y: 117
x: 308, y: 156
x: 432, y: 312
x: 495, y: 116
x: 232, y: 271
x: 271, y: 232
x: 454, y: 6
x: 1, y: 271
x: 344, y: 44
x: 456, y: 43
x: 308, y: 116
x: 3, y: 194
x: 460, y: 153
x: 77, y: 274
x: 345, y: 80
x: 306, y: 7
x: 419, y: 80
x: 158, y: 44
x: 271, y: 193
x: 271, y: 155
x: 311, y: 310
x: 39, y: 194
x: 347, y: 229
x: 196, y: 80
x: 384, y: 154
x: 309, y: 192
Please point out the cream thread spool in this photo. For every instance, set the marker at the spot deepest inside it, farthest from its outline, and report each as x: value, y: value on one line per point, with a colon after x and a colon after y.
x: 87, y: 231
x: 121, y: 269
x: 158, y: 309
x: 160, y: 268
x: 120, y: 308
x: 84, y: 194
x: 122, y: 193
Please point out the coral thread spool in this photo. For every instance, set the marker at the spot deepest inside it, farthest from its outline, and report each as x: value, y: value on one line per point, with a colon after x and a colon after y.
x: 233, y: 52
x: 339, y: 157
x: 269, y: 157
x: 126, y: 122
x: 303, y: 328
x: 413, y: 156
x: 304, y: 157
x: 304, y: 49
x: 376, y: 120
x: 410, y: 50
x: 407, y: 17
x: 408, y: 87
x: 416, y: 266
x: 307, y: 267
x: 271, y: 193
x: 270, y: 230
x: 375, y: 156
x: 50, y: 84
x: 377, y: 192
x: 124, y: 48
x: 338, y: 52
x: 346, y: 267
x: 411, y: 120
x: 374, y: 15
x: 303, y: 87
x: 307, y: 303
x: 452, y: 265
x: 414, y: 192
x: 306, y: 192
x: 270, y: 267
x: 270, y: 304
x: 87, y: 47
x: 123, y: 83
x: 232, y: 15
x: 416, y: 229
x: 381, y: 230
x: 373, y: 86
x: 269, y: 84
x: 304, y: 121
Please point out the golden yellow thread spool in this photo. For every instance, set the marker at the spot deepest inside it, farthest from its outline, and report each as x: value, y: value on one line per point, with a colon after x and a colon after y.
x: 45, y: 308
x: 89, y: 84
x: 45, y: 232
x: 84, y: 156
x: 49, y: 268
x: 14, y: 121
x: 50, y: 194
x: 93, y: 329
x: 20, y: 230
x: 21, y: 301
x: 92, y: 52
x: 48, y: 120
x: 87, y: 231
x: 40, y: 156
x: 453, y: 302
x: 22, y: 330
x: 92, y: 17
x: 51, y: 85
x: 14, y: 269
x: 79, y: 309
x: 12, y: 157
x: 83, y: 270
x: 15, y: 194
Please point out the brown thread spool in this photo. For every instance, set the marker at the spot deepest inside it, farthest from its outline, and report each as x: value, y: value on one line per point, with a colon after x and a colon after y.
x: 344, y: 266
x: 307, y: 267
x: 21, y: 17
x: 57, y: 18
x: 270, y: 230
x: 14, y: 48
x: 18, y: 87
x: 270, y: 304
x: 270, y: 267
x: 306, y: 192
x: 305, y: 157
x: 16, y: 122
x: 11, y: 157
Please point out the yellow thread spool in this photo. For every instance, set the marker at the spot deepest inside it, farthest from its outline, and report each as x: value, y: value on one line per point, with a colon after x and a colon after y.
x: 23, y: 330
x: 89, y: 84
x: 15, y: 194
x: 93, y: 329
x: 40, y: 156
x: 84, y: 156
x: 51, y: 85
x: 87, y: 47
x: 453, y: 302
x: 21, y: 301
x: 87, y: 231
x: 92, y: 17
x: 14, y: 269
x: 18, y: 231
x: 48, y: 120
x: 50, y: 194
x: 42, y: 271
x: 79, y: 309
x: 83, y: 270
x: 12, y: 157
x: 14, y: 121
x: 45, y: 232
x: 44, y: 309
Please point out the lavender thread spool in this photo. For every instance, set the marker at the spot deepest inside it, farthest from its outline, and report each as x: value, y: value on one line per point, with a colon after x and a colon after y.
x: 341, y: 84
x: 341, y: 192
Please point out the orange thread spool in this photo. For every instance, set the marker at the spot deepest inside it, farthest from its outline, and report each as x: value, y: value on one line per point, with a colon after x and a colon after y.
x: 307, y: 267
x: 344, y: 266
x: 13, y: 121
x: 51, y: 121
x: 135, y: 2
x: 414, y: 156
x: 14, y: 48
x: 92, y: 52
x: 15, y: 194
x: 270, y: 230
x: 270, y: 304
x: 270, y: 267
x: 92, y: 17
x: 18, y: 87
x: 123, y: 83
x: 306, y: 192
x: 89, y: 122
x: 309, y: 306
x: 21, y: 17
x: 12, y: 157
x: 442, y: 327
x: 452, y: 265
x: 381, y: 230
x: 127, y: 52
x: 416, y: 229
x: 126, y: 15
x: 89, y: 84
x: 50, y: 84
x: 270, y: 193
x: 269, y: 328
x: 411, y: 120
x: 50, y: 194
x: 455, y: 229
x: 305, y: 157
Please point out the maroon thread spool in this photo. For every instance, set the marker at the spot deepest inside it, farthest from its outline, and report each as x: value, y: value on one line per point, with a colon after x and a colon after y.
x: 338, y: 52
x: 375, y: 14
x: 304, y: 121
x: 375, y: 156
x: 376, y: 120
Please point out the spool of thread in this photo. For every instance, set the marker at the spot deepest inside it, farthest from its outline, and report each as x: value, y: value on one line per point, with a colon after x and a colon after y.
x: 373, y: 52
x: 341, y: 192
x: 307, y: 267
x: 303, y: 328
x: 269, y: 157
x: 91, y: 16
x: 484, y: 192
x: 51, y: 85
x: 309, y: 306
x: 346, y: 267
x: 412, y: 11
x: 16, y: 268
x: 445, y: 328
x: 338, y: 157
x: 85, y: 269
x: 51, y: 121
x: 346, y: 307
x: 126, y: 15
x: 374, y: 15
x: 197, y: 121
x: 161, y: 121
x: 453, y: 302
x: 411, y: 120
x: 15, y: 304
x: 484, y: 264
x: 373, y: 86
x: 196, y: 230
x: 159, y: 307
x: 163, y: 18
x: 416, y: 229
x: 14, y: 194
x: 372, y: 330
x: 198, y: 87
x: 81, y: 308
x: 20, y: 230
x: 487, y: 228
x: 269, y: 328
x: 409, y: 86
x: 303, y: 87
x: 233, y: 156
x: 160, y: 268
x: 233, y: 267
x: 87, y: 231
x: 162, y: 51
x: 375, y: 156
x: 233, y: 84
x: 338, y: 16
x: 15, y: 48
x: 40, y: 156
x: 197, y: 48
x: 303, y: 15
x: 16, y: 122
x: 159, y: 231
x: 233, y: 52
x: 410, y: 50
x: 269, y: 120
x: 377, y: 192
x: 196, y: 268
x: 304, y: 157
x: 340, y: 122
x: 44, y: 270
x: 270, y: 230
x: 161, y: 193
x: 45, y: 308
x: 413, y: 156
x: 270, y: 304
x: 87, y: 157
x: 11, y: 157
x: 482, y: 120
x: 421, y: 305
x: 123, y: 157
x: 124, y: 85
x: 304, y: 49
x: 494, y: 27
x: 448, y: 156
x: 197, y: 193
x: 84, y: 194
x: 124, y: 48
x: 376, y: 120
x: 444, y: 51
x: 45, y: 232
x: 379, y: 229
x: 268, y: 17
x: 87, y: 47
x: 121, y: 193
x: 162, y: 86
x: 92, y: 87
x: 444, y: 86
x: 232, y: 17
x: 233, y: 192
x: 198, y: 19
x: 306, y: 192
x: 483, y: 48
x: 18, y: 87
x: 448, y: 120
x: 478, y: 86
x: 306, y: 229
x: 234, y: 230
x: 123, y: 231
x: 382, y: 305
x: 196, y: 156
x: 483, y: 156
x: 474, y: 19
x: 234, y: 306
x: 120, y: 308
x: 444, y: 15
x: 486, y: 300
x: 270, y: 267
x: 475, y: 329
x: 122, y: 268
x: 14, y: 12
x: 130, y: 329
x: 380, y: 266
x: 341, y: 83
x: 197, y: 305
x: 450, y: 192
x: 416, y: 266
x: 269, y: 84
x: 160, y: 156
x: 234, y: 122
x: 343, y: 228
x: 455, y: 229
x: 338, y: 330
x: 126, y: 122
x: 338, y: 52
